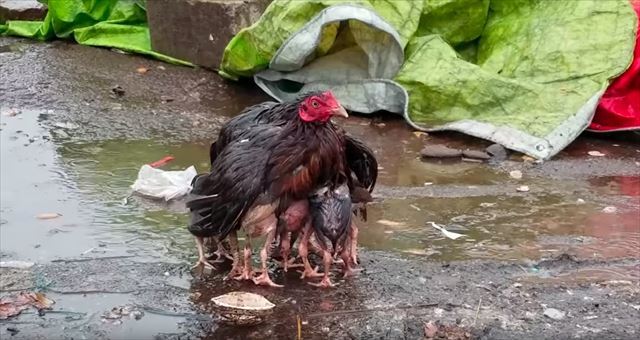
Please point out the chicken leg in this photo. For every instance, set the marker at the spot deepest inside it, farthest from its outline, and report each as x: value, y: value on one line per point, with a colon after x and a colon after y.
x: 327, y: 260
x: 202, y: 260
x: 221, y: 252
x: 236, y: 268
x: 303, y: 251
x: 263, y: 278
x: 353, y: 235
x: 247, y: 271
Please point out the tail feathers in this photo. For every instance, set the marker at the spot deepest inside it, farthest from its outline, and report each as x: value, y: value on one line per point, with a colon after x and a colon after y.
x: 201, y: 201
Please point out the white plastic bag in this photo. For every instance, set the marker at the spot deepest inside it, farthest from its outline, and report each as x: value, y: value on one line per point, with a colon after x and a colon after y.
x: 164, y: 184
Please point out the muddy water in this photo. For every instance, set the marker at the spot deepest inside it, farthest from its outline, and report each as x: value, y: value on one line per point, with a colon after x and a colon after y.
x: 45, y: 169
x: 88, y: 184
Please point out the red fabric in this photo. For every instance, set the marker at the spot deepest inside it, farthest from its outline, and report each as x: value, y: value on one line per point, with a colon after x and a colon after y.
x: 619, y: 108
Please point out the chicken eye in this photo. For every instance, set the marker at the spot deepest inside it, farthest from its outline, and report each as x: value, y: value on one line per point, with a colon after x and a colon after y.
x: 314, y: 104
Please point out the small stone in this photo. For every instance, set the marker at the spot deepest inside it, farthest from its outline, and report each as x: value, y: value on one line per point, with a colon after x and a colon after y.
x: 517, y: 174
x: 475, y: 154
x: 440, y: 151
x: 579, y: 201
x: 596, y: 154
x: 610, y: 210
x: 497, y: 152
x: 522, y: 188
x: 554, y: 314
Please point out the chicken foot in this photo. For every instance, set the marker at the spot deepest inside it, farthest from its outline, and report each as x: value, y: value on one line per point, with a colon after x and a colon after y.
x: 327, y: 260
x: 263, y: 278
x: 202, y: 260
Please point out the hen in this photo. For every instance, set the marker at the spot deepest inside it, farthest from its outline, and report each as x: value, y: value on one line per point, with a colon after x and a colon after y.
x: 362, y: 164
x: 261, y: 170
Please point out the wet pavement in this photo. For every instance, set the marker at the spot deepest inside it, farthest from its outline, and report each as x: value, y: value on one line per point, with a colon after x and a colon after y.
x: 572, y: 242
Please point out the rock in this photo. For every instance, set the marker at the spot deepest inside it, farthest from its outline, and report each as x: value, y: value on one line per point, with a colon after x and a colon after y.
x: 610, y: 210
x: 21, y: 10
x: 198, y: 30
x: 475, y: 154
x: 439, y: 151
x: 554, y: 314
x: 522, y: 188
x: 497, y: 152
x: 517, y: 174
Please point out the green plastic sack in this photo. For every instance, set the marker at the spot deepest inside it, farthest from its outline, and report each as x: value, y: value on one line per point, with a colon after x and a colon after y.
x: 120, y: 24
x: 527, y: 74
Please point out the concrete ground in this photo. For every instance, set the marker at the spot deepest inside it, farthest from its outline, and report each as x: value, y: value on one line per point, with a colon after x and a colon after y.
x: 561, y: 260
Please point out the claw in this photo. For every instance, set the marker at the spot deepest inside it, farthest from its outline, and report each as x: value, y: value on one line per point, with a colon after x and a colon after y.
x: 202, y: 261
x: 310, y: 273
x: 325, y: 283
x: 265, y: 280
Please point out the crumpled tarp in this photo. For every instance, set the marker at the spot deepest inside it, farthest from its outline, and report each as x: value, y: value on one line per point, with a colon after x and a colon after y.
x: 619, y: 108
x: 527, y: 74
x: 120, y: 24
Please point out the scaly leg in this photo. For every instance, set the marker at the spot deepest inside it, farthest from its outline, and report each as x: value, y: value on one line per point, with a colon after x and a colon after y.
x: 285, y: 251
x: 236, y: 268
x: 263, y: 278
x: 303, y: 251
x: 202, y: 260
x: 221, y: 252
x: 247, y: 270
x: 327, y: 259
x: 354, y: 243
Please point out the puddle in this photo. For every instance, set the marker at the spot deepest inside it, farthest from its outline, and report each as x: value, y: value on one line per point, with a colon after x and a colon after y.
x: 87, y: 183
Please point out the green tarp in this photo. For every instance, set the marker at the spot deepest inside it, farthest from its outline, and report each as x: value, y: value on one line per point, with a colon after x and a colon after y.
x: 527, y: 74
x: 120, y: 24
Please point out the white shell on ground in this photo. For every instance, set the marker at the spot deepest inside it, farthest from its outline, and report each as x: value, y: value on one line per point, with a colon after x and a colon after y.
x: 244, y: 301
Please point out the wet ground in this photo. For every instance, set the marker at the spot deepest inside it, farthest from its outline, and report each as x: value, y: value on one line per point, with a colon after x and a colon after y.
x: 572, y: 242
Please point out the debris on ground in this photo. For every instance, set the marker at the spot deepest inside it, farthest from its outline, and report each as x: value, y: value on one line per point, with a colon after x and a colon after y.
x: 10, y: 112
x: 118, y: 91
x: 554, y: 314
x: 115, y: 315
x: 440, y: 151
x: 142, y: 70
x: 242, y: 308
x: 168, y: 185
x: 16, y: 264
x: 516, y: 174
x: 596, y: 154
x: 522, y: 188
x: 610, y: 210
x: 48, y: 216
x: 391, y: 223
x: 12, y: 305
x: 445, y: 232
x: 434, y: 330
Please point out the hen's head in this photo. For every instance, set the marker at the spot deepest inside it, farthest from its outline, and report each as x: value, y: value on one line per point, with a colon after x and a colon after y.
x: 320, y: 107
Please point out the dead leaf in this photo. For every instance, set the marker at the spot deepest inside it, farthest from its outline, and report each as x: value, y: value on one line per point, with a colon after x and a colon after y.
x: 142, y: 70
x: 12, y: 305
x: 391, y: 223
x: 528, y: 159
x: 420, y: 134
x: 11, y: 112
x: 596, y: 154
x: 430, y: 329
x: 48, y: 216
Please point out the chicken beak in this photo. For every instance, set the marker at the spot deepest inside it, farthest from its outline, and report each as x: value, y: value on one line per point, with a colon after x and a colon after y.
x: 340, y: 111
